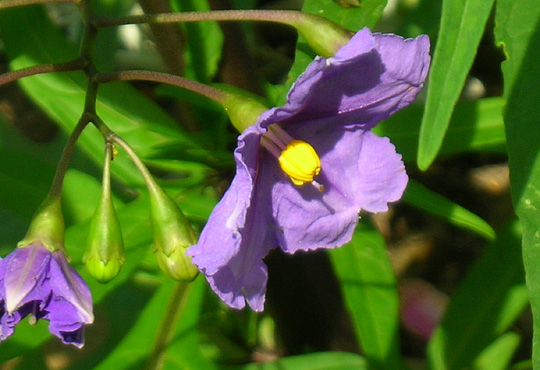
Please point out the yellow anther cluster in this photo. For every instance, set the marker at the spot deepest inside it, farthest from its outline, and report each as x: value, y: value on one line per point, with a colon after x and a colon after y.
x: 300, y: 162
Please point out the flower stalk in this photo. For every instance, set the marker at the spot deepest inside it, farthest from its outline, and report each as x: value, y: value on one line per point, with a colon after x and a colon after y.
x: 323, y: 35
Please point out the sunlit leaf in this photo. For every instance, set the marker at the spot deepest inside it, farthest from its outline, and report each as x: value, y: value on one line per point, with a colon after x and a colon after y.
x: 462, y: 26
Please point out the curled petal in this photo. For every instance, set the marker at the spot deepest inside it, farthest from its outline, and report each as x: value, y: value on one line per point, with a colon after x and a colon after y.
x: 244, y: 276
x: 233, y: 243
x: 222, y: 236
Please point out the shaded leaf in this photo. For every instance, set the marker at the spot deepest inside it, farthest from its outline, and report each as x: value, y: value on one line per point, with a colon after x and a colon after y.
x: 369, y: 288
x: 486, y: 303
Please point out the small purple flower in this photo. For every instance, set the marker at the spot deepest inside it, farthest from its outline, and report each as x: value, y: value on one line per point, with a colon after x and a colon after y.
x: 338, y: 167
x: 37, y: 282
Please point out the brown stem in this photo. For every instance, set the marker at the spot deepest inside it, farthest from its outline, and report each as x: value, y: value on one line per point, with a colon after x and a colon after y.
x: 13, y: 3
x: 287, y: 17
x: 204, y: 90
x: 73, y: 65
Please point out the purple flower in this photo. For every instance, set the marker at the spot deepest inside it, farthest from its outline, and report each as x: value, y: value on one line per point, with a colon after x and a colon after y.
x: 37, y: 282
x: 312, y: 200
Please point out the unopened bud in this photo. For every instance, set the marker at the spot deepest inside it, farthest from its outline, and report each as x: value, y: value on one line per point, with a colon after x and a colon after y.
x: 173, y: 235
x: 104, y: 253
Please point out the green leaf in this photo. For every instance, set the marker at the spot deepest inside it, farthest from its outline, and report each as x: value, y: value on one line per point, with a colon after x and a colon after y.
x: 498, y: 355
x: 61, y: 95
x: 369, y: 288
x: 487, y: 302
x: 462, y: 26
x: 429, y: 201
x: 313, y: 361
x: 134, y: 350
x: 518, y: 31
x: 475, y: 126
x: 205, y: 42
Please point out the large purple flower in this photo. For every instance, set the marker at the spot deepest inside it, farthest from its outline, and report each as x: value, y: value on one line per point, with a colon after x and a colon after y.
x: 332, y: 106
x: 37, y: 282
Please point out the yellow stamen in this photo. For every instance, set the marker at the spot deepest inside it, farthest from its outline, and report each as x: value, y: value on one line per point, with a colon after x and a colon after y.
x: 300, y: 162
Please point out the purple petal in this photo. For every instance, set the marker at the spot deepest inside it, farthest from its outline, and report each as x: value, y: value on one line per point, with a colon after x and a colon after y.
x: 7, y: 323
x: 222, y: 236
x: 25, y: 269
x: 368, y: 80
x: 68, y: 286
x: 359, y: 170
x: 234, y: 241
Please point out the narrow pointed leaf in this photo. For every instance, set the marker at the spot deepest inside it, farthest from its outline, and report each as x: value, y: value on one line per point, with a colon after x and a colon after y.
x: 462, y: 26
x: 423, y: 198
x: 517, y: 29
x: 495, y: 285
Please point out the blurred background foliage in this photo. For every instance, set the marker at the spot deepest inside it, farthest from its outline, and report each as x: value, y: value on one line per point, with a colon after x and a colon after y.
x: 438, y: 282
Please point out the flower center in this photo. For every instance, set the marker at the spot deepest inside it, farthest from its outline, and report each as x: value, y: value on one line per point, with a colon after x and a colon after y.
x: 296, y: 158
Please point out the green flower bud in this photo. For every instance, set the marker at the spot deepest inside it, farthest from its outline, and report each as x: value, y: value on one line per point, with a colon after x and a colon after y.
x: 173, y: 235
x: 101, y: 271
x: 104, y: 253
x: 47, y: 226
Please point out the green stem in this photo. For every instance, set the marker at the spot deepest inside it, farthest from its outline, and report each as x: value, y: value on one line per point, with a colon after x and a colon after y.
x: 149, y: 180
x: 168, y: 325
x: 63, y: 164
x: 72, y: 65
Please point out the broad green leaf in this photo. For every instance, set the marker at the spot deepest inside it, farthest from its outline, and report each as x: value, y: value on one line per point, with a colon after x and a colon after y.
x: 462, y: 26
x: 475, y: 126
x: 490, y: 298
x: 312, y: 361
x: 518, y: 31
x: 24, y: 181
x: 369, y: 289
x: 498, y: 355
x: 429, y: 201
x: 61, y: 95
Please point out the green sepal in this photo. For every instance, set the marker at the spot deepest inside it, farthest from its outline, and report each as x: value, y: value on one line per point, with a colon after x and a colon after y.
x: 322, y: 35
x: 173, y: 235
x: 243, y: 111
x: 47, y: 226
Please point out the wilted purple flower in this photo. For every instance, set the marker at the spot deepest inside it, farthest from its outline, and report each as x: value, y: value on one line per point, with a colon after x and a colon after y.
x: 37, y: 282
x: 305, y: 170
